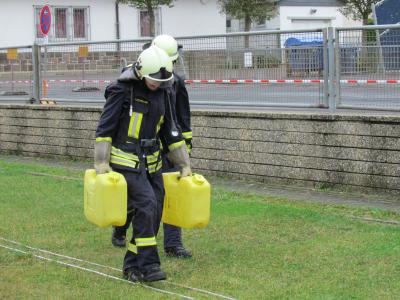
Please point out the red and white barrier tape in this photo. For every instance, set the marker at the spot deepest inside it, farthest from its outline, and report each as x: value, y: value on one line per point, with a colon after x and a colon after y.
x: 78, y: 81
x: 227, y: 81
x: 59, y: 81
x: 234, y: 81
x: 292, y: 81
x: 371, y: 81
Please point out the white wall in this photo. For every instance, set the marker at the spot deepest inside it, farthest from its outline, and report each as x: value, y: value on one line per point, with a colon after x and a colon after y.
x: 16, y: 23
x: 193, y: 17
x: 20, y: 30
x: 300, y: 17
x: 186, y: 18
x: 128, y: 22
x: 102, y: 18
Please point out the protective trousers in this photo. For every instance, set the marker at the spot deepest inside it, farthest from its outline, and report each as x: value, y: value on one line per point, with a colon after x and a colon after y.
x: 172, y: 234
x: 145, y: 193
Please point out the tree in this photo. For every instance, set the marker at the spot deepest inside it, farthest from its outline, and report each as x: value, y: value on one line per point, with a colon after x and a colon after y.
x: 358, y: 10
x: 249, y: 10
x: 150, y: 6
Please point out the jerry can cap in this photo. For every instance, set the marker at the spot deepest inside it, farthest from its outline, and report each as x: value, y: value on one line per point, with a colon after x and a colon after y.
x: 112, y: 176
x: 199, y: 179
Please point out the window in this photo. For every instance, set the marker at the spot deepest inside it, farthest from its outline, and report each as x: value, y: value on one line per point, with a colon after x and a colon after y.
x: 68, y: 23
x: 144, y: 22
x: 80, y: 23
x: 60, y: 22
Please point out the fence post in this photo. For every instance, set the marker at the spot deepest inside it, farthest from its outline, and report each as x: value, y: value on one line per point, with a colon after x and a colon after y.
x: 326, y: 68
x: 338, y: 70
x: 332, y: 69
x: 36, y: 73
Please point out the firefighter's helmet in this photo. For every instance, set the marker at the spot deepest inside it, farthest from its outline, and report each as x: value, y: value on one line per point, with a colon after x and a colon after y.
x: 154, y: 63
x: 168, y: 44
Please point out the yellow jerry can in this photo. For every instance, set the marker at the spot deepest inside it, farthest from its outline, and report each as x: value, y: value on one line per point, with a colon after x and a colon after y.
x: 187, y: 200
x: 105, y: 198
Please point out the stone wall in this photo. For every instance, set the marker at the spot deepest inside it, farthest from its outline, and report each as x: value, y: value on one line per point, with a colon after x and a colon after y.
x: 206, y: 64
x: 306, y: 149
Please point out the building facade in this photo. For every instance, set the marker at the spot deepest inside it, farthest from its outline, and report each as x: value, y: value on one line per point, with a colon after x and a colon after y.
x: 98, y: 20
x: 301, y: 14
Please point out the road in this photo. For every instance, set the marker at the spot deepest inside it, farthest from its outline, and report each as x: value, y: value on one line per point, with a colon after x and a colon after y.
x: 249, y: 95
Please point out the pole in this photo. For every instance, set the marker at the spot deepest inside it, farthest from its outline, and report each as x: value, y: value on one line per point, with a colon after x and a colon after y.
x: 36, y: 72
x: 326, y: 68
x: 12, y: 75
x: 331, y: 63
x: 83, y: 73
x: 46, y: 41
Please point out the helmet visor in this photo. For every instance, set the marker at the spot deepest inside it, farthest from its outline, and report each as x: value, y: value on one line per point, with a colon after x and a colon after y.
x: 162, y: 75
x: 159, y: 84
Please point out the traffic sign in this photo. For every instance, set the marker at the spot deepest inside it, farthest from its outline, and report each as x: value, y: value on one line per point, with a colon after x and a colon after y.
x: 45, y: 19
x: 83, y: 51
x: 12, y: 54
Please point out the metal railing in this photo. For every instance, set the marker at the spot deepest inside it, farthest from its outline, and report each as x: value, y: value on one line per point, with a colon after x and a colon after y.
x: 368, y: 67
x: 332, y: 68
x: 16, y: 73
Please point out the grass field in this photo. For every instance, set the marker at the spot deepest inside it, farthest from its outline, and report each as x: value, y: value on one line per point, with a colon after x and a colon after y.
x: 254, y: 248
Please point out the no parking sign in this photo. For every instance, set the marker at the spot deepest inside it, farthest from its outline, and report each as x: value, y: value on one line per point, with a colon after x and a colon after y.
x: 45, y: 19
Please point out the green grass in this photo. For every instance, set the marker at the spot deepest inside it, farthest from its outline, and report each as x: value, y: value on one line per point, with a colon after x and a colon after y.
x: 254, y: 248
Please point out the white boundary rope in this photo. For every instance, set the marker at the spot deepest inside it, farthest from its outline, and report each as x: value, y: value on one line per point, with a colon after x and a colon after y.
x: 115, y: 269
x: 97, y: 272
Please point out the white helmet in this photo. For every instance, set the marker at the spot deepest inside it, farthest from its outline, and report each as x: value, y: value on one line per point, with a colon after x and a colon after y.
x: 168, y: 44
x: 154, y: 63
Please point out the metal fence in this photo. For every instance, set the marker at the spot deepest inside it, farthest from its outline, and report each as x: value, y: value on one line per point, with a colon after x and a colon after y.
x: 368, y: 67
x: 328, y: 68
x: 16, y: 73
x: 79, y: 73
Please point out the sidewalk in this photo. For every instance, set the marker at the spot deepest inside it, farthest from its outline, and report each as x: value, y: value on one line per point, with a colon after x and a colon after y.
x: 382, y: 201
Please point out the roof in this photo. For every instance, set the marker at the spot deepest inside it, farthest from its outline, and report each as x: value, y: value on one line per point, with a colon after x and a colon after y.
x: 310, y: 3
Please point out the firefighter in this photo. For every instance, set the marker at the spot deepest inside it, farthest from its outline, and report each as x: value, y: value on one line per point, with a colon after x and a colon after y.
x: 136, y: 115
x: 173, y: 245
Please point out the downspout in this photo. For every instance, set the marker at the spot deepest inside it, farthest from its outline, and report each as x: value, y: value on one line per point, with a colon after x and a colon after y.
x: 117, y: 32
x: 117, y: 20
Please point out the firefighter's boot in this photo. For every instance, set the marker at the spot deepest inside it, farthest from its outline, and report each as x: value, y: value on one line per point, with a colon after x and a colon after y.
x: 153, y: 273
x: 132, y: 275
x: 179, y: 252
x: 118, y: 238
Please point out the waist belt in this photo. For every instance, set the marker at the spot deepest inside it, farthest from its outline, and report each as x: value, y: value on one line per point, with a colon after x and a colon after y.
x: 147, y: 143
x: 151, y: 162
x: 143, y: 147
x: 143, y: 143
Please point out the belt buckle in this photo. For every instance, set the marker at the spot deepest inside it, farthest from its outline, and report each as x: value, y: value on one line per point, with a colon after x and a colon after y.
x: 147, y: 143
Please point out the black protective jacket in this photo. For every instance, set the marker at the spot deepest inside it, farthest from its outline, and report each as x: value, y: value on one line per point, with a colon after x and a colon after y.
x: 183, y: 109
x: 134, y: 119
